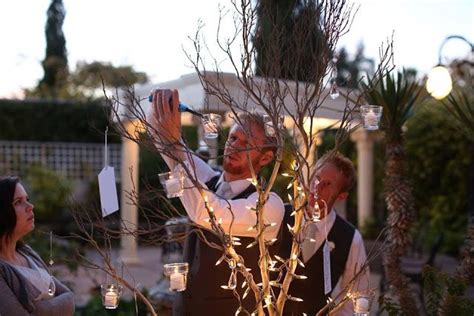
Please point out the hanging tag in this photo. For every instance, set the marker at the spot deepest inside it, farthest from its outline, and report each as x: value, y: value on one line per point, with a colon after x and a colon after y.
x: 108, y: 191
x: 327, y: 268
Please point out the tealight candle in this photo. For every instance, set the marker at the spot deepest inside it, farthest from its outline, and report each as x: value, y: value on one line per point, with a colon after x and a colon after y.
x: 371, y: 115
x: 361, y: 302
x: 110, y: 299
x: 177, y: 282
x: 111, y: 295
x: 177, y: 275
x: 173, y: 183
x: 361, y: 305
x: 371, y: 118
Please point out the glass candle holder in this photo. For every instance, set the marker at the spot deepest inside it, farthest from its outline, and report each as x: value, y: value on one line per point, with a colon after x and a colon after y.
x: 173, y: 183
x: 371, y: 115
x: 270, y: 129
x: 361, y: 303
x: 211, y: 123
x: 177, y: 274
x: 111, y: 295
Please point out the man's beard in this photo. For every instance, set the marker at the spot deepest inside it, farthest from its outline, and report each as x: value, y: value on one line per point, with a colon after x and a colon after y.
x: 239, y: 169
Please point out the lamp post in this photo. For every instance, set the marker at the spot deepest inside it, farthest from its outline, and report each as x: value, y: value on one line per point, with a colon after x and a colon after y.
x: 439, y: 91
x: 439, y: 83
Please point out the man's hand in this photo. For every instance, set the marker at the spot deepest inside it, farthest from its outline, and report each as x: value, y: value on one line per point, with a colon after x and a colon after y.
x: 164, y: 116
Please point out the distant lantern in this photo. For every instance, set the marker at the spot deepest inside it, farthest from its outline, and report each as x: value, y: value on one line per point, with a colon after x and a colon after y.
x: 439, y: 83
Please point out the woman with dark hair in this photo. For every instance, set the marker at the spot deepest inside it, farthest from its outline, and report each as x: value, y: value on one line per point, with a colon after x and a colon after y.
x: 26, y: 286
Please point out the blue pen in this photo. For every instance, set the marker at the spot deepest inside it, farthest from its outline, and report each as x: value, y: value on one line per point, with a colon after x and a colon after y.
x: 182, y: 107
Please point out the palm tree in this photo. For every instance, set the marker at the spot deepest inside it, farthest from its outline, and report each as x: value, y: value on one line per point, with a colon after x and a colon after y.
x: 397, y: 94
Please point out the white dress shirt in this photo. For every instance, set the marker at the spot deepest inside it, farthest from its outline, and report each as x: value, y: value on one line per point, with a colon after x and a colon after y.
x: 356, y: 258
x: 235, y: 215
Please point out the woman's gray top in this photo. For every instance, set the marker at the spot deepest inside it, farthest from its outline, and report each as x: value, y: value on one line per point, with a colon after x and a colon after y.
x: 17, y: 294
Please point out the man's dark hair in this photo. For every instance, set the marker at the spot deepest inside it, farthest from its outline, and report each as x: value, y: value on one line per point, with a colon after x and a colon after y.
x: 7, y: 211
x: 343, y: 164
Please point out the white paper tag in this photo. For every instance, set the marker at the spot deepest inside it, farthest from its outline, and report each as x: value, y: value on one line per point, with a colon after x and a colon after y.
x: 327, y: 268
x: 108, y: 191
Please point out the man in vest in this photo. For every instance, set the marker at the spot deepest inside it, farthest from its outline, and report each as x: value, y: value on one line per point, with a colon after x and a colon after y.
x: 333, y: 179
x: 231, y: 197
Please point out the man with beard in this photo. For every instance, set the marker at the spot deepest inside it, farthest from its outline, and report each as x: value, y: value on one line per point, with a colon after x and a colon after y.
x: 231, y: 197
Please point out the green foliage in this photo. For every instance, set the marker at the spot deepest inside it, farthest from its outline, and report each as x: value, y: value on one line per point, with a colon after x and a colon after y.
x: 437, y: 161
x: 70, y: 121
x: 460, y: 107
x: 49, y: 191
x: 350, y: 71
x: 90, y: 75
x: 125, y: 308
x: 288, y: 39
x: 440, y: 286
x: 389, y: 306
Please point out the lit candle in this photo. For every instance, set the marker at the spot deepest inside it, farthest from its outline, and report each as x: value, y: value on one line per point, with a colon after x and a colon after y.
x: 173, y: 186
x: 111, y: 298
x: 361, y: 305
x: 177, y: 282
x: 371, y: 118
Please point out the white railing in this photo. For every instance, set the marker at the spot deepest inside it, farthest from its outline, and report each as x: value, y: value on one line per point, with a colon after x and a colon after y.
x: 74, y: 160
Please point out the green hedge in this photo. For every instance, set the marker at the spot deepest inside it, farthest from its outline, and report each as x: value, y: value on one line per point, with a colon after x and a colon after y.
x: 53, y: 121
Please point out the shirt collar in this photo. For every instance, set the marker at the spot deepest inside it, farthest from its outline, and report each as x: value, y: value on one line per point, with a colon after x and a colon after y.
x: 236, y: 186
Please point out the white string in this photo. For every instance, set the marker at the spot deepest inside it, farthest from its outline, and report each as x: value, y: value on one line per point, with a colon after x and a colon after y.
x: 106, y: 153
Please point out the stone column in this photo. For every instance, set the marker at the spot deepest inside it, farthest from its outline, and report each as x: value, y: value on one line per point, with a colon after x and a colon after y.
x: 365, y: 173
x: 128, y: 211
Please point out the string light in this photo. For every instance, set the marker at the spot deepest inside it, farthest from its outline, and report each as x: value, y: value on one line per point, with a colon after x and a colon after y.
x: 295, y: 299
x: 301, y: 263
x: 246, y: 293
x: 251, y: 244
x: 289, y: 228
x: 218, y: 262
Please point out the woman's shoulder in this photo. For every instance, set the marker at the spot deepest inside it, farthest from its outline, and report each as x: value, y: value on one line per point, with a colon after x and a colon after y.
x: 30, y: 252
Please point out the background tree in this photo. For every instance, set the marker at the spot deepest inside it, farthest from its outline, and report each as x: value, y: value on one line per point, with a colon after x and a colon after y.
x: 88, y: 79
x: 282, y: 26
x: 55, y: 63
x: 350, y: 71
x: 397, y: 94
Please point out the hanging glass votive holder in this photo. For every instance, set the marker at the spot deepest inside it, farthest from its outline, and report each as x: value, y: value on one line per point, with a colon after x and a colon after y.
x: 111, y: 295
x: 177, y: 274
x: 270, y: 130
x: 371, y: 115
x: 361, y: 303
x: 173, y: 182
x: 211, y: 123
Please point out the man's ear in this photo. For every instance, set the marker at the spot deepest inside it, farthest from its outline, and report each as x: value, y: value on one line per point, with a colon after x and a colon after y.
x: 266, y: 158
x: 342, y: 196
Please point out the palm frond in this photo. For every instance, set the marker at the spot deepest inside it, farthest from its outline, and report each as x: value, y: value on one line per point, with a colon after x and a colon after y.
x: 460, y: 106
x: 397, y: 94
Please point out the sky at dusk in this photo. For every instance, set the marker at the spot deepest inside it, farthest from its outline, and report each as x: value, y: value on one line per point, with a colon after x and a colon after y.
x: 150, y: 35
